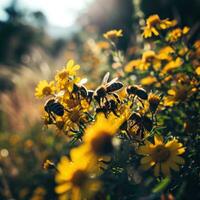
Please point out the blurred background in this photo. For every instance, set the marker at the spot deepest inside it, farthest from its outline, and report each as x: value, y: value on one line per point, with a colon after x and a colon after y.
x: 37, y: 38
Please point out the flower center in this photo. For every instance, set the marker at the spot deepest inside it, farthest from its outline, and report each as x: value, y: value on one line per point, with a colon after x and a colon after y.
x: 46, y: 90
x: 153, y: 20
x: 75, y: 116
x: 63, y: 75
x: 102, y: 144
x: 79, y: 178
x: 161, y: 154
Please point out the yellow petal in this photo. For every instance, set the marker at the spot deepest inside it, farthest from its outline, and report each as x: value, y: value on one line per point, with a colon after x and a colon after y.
x: 180, y: 151
x: 70, y: 64
x: 158, y: 139
x: 62, y: 188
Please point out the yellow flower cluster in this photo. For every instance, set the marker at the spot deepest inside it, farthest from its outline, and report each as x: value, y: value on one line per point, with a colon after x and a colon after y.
x: 154, y: 24
x: 123, y: 116
x: 113, y: 34
x: 72, y: 111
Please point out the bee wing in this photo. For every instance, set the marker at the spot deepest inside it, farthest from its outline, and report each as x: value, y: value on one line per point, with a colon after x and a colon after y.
x: 83, y: 81
x: 105, y: 78
x: 112, y: 81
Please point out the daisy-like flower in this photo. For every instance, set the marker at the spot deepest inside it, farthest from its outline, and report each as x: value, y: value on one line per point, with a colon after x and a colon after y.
x: 130, y: 66
x: 74, y: 118
x: 162, y: 156
x: 44, y: 89
x: 154, y: 24
x: 148, y: 80
x: 154, y: 101
x: 172, y: 65
x: 149, y: 58
x: 179, y: 93
x: 99, y: 135
x: 112, y: 34
x: 75, y: 180
x: 176, y: 34
x: 65, y: 78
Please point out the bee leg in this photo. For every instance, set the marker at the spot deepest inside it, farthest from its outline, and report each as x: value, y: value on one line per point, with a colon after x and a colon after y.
x: 115, y: 113
x: 89, y: 116
x: 141, y: 102
x: 106, y: 100
x: 67, y: 110
x: 116, y: 97
x: 132, y: 98
x: 51, y: 116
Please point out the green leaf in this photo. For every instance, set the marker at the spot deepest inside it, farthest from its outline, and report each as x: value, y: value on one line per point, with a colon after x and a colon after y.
x: 161, y: 186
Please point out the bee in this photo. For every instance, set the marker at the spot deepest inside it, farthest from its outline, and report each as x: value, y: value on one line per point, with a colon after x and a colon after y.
x: 81, y: 91
x: 141, y: 123
x: 107, y: 88
x: 138, y: 91
x: 109, y: 106
x: 53, y: 107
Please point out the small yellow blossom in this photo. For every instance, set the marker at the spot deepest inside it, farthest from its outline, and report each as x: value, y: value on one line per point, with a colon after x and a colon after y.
x: 172, y: 65
x: 130, y: 66
x: 163, y: 156
x: 148, y: 80
x: 65, y: 78
x: 165, y: 53
x: 154, y: 24
x: 176, y: 34
x: 44, y: 89
x: 154, y: 101
x: 112, y: 34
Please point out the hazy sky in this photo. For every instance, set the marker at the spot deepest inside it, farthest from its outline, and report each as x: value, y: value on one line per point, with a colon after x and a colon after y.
x: 58, y: 12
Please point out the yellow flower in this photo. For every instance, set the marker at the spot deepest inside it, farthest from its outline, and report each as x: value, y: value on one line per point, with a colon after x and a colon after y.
x: 74, y: 118
x: 75, y: 180
x: 130, y: 66
x: 148, y: 80
x: 149, y: 58
x: 163, y: 156
x: 99, y: 135
x: 154, y: 24
x: 69, y: 70
x: 44, y: 89
x: 65, y: 78
x: 178, y: 93
x: 112, y: 34
x: 165, y: 53
x: 172, y: 65
x: 154, y: 101
x: 176, y: 34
